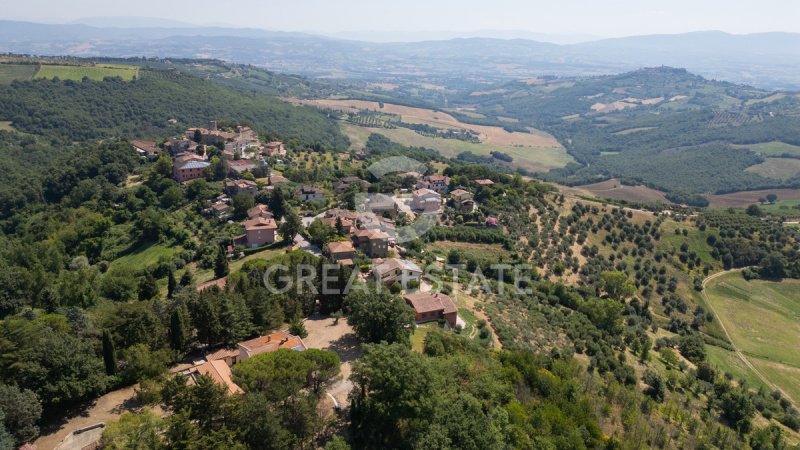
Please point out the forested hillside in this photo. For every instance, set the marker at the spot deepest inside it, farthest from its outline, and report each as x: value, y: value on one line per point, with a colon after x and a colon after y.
x: 632, y: 125
x: 84, y: 110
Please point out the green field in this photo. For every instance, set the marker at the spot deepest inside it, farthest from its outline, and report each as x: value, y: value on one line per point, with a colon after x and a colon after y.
x: 97, y: 72
x: 478, y: 251
x: 763, y: 320
x: 11, y: 72
x: 535, y: 159
x: 780, y: 168
x: 695, y: 238
x: 785, y: 208
x: 774, y: 148
x: 144, y: 256
x: 728, y: 362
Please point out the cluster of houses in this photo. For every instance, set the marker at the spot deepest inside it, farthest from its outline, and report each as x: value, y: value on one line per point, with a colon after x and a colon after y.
x: 217, y: 365
x: 241, y: 148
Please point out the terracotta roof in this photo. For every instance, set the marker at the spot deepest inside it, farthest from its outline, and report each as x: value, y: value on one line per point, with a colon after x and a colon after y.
x: 273, y: 144
x: 371, y: 234
x: 222, y: 354
x: 340, y: 247
x: 331, y: 222
x: 220, y: 373
x: 272, y: 342
x: 260, y: 223
x: 343, y: 213
x: 459, y: 192
x: 424, y: 191
x: 259, y: 211
x: 149, y: 147
x: 426, y: 302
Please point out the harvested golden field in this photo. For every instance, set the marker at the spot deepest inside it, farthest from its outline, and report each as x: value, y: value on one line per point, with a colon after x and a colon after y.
x: 613, y: 189
x: 488, y: 134
x: 781, y: 168
x: 745, y: 198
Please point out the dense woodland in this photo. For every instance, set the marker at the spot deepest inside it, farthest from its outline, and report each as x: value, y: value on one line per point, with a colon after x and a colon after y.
x: 83, y: 110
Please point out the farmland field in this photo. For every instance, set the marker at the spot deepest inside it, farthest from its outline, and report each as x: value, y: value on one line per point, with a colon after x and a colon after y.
x: 98, y: 72
x: 781, y: 168
x: 744, y: 198
x: 773, y: 148
x: 763, y: 321
x: 613, y: 189
x: 536, y: 151
x: 534, y: 159
x: 11, y: 72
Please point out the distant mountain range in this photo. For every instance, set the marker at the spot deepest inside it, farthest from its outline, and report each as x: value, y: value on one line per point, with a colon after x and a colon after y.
x: 767, y: 60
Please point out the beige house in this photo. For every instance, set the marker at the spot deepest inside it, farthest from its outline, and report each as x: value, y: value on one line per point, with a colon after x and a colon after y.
x: 397, y: 270
x: 426, y: 200
x: 260, y: 231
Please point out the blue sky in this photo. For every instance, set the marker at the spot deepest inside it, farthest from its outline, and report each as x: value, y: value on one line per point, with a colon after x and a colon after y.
x: 592, y: 17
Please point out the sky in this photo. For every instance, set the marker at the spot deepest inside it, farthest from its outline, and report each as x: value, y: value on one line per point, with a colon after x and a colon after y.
x: 602, y: 18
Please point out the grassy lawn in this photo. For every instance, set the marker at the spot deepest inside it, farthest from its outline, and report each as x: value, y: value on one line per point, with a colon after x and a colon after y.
x: 203, y: 275
x: 763, y: 319
x: 11, y: 72
x: 418, y: 337
x: 77, y: 73
x: 144, y: 256
x: 537, y: 159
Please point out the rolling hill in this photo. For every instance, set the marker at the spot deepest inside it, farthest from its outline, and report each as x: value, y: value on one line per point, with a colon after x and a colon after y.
x: 765, y: 59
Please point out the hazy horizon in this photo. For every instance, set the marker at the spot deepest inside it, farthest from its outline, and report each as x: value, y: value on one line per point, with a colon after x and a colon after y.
x: 568, y: 21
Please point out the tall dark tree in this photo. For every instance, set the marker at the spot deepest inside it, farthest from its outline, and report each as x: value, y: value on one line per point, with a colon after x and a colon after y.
x: 148, y: 288
x: 109, y: 353
x: 291, y: 227
x: 178, y: 333
x: 221, y: 264
x: 172, y: 284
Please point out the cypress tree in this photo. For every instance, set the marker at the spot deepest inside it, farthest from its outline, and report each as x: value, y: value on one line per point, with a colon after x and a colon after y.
x: 177, y: 329
x: 187, y: 279
x: 172, y: 283
x: 221, y: 264
x: 109, y: 353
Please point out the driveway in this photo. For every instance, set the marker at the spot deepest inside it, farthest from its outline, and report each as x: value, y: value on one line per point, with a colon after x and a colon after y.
x: 303, y: 244
x: 102, y: 410
x: 323, y: 334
